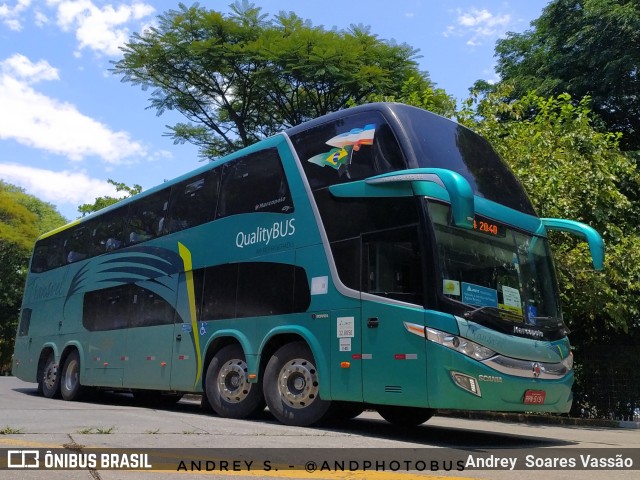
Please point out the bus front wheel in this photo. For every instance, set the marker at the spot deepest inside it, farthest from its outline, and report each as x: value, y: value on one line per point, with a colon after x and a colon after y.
x: 291, y: 386
x: 49, y: 380
x: 228, y: 389
x: 70, y: 387
x: 405, y: 416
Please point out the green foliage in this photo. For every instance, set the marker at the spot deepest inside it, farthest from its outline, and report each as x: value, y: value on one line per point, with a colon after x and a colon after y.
x: 240, y: 77
x: 47, y: 216
x: 17, y: 223
x: 583, y: 47
x: 571, y: 170
x: 22, y: 218
x: 420, y: 92
x: 102, y: 202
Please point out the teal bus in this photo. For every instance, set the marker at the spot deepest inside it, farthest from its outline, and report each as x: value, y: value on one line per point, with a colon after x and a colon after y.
x: 378, y: 257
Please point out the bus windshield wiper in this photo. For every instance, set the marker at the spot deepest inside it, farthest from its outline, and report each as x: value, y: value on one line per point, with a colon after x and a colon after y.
x: 494, y: 311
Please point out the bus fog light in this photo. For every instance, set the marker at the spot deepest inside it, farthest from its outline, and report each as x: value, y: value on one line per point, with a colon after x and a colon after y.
x: 466, y: 382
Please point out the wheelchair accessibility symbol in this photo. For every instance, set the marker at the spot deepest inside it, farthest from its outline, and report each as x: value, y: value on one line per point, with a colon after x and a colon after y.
x: 203, y: 328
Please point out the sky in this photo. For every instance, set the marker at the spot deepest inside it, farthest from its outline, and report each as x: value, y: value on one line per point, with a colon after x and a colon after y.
x: 67, y: 124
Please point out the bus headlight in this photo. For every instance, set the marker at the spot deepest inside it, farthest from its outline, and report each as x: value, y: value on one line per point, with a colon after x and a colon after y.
x: 460, y: 344
x: 568, y: 362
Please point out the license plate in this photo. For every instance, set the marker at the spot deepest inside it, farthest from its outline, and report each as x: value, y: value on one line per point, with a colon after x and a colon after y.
x: 534, y: 397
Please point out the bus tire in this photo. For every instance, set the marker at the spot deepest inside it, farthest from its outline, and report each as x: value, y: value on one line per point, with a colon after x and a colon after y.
x: 70, y: 387
x: 344, y: 411
x: 405, y: 416
x: 228, y: 389
x: 49, y: 378
x: 291, y: 386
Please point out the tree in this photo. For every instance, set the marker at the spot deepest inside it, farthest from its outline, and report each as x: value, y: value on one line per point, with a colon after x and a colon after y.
x: 420, y: 92
x: 239, y: 77
x: 22, y: 218
x: 571, y: 170
x: 47, y: 216
x: 585, y: 48
x: 102, y: 202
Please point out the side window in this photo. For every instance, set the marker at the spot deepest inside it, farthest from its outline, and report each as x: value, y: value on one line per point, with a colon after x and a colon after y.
x: 271, y: 289
x: 193, y: 202
x: 351, y: 222
x: 107, y: 309
x: 25, y: 322
x: 149, y: 309
x: 48, y: 254
x: 392, y: 265
x: 78, y: 243
x: 146, y: 217
x: 252, y: 289
x: 350, y: 148
x: 108, y: 231
x: 219, y: 292
x: 255, y: 183
x: 346, y: 255
x: 125, y: 306
x: 265, y: 289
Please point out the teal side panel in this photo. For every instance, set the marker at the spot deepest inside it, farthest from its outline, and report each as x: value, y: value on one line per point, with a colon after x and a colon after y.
x: 44, y: 297
x: 24, y: 362
x: 394, y: 364
x: 105, y: 358
x: 326, y: 307
x: 345, y: 345
x: 149, y: 357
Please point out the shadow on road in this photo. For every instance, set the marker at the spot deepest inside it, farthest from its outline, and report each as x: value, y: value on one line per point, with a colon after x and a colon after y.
x: 426, y: 434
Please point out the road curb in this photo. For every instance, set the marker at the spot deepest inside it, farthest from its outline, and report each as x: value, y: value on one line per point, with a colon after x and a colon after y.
x: 540, y: 419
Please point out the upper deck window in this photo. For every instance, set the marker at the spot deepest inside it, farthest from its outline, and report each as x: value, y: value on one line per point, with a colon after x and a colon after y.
x: 440, y: 143
x: 255, y: 183
x: 193, y: 201
x: 349, y: 148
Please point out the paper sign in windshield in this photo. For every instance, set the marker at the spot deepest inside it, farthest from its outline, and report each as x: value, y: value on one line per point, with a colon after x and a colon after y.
x: 511, y: 297
x: 479, y: 296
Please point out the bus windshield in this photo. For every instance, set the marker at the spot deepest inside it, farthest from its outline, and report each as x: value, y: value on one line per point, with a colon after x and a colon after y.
x: 499, y: 274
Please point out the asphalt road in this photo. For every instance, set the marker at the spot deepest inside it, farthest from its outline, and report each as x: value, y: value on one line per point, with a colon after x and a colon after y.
x: 115, y: 421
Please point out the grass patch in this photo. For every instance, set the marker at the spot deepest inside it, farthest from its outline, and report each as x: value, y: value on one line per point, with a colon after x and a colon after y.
x: 10, y: 430
x: 97, y: 430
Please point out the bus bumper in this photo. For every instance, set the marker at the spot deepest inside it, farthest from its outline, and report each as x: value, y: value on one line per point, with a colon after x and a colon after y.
x: 455, y: 381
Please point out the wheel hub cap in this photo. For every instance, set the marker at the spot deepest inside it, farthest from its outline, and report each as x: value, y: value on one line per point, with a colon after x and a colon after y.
x: 233, y: 382
x: 298, y: 383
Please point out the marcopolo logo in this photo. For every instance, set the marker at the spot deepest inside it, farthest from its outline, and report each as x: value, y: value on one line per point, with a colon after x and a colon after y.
x: 262, y: 235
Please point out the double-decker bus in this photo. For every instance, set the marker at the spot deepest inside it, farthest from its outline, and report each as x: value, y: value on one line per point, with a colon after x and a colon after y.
x: 380, y: 256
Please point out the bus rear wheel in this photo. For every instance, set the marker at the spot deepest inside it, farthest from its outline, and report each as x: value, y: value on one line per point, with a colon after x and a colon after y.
x: 228, y: 389
x: 405, y: 416
x: 70, y: 387
x: 49, y: 380
x: 291, y: 386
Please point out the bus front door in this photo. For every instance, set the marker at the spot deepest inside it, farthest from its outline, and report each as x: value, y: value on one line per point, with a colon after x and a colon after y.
x: 393, y: 358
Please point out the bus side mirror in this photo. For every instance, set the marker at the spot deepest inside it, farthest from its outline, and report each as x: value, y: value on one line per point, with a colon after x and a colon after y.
x: 593, y: 238
x: 434, y: 182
